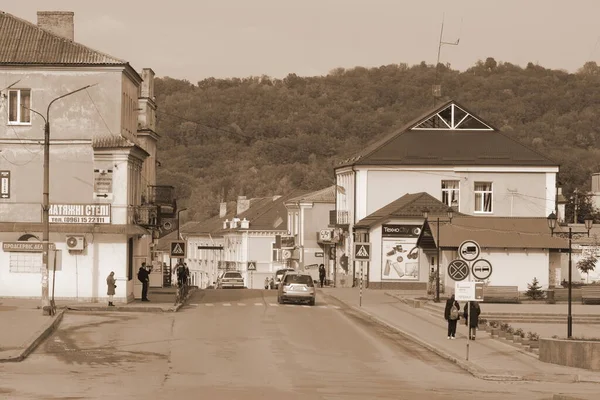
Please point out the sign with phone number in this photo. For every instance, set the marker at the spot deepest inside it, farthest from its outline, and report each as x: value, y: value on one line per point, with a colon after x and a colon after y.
x: 80, y: 220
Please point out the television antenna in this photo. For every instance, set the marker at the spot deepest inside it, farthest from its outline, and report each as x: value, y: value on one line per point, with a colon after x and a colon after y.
x: 437, y: 88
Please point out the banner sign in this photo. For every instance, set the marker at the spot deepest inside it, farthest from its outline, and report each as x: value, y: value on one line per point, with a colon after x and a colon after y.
x: 4, y: 184
x: 408, y: 231
x: 79, y: 213
x: 26, y: 247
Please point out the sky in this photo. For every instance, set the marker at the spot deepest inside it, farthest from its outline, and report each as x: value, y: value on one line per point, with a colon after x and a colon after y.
x: 198, y: 39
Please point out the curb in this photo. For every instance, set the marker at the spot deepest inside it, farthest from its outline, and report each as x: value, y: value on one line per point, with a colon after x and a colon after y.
x: 466, y: 365
x: 39, y: 337
x: 120, y: 309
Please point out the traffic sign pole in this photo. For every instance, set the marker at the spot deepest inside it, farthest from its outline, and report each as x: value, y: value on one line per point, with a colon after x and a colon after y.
x: 361, y: 284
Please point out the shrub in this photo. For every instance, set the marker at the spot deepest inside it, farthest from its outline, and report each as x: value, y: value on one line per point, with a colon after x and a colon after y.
x: 494, y: 324
x: 504, y: 326
x: 534, y: 290
x: 519, y: 332
x: 532, y: 336
x: 483, y: 321
x: 510, y: 329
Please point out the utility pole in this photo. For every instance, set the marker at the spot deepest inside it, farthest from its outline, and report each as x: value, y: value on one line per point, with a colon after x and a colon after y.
x: 48, y: 308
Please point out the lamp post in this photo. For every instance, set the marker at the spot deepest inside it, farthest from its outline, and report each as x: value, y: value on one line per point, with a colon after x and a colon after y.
x: 183, y: 209
x: 589, y: 222
x: 48, y: 308
x: 450, y: 212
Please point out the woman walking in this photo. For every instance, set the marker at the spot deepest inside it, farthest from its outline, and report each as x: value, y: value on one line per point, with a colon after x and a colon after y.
x: 473, y: 323
x: 110, y: 283
x: 452, y: 314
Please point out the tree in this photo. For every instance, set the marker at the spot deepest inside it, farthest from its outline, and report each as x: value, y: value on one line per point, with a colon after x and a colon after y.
x: 534, y: 290
x: 586, y: 265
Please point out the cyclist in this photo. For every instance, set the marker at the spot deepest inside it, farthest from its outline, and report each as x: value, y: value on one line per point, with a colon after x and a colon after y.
x: 181, y: 271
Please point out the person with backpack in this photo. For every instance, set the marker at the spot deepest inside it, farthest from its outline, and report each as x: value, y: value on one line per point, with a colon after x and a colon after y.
x: 452, y: 314
x: 144, y: 277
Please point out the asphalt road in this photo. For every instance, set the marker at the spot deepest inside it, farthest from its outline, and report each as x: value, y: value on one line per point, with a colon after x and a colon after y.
x: 239, y: 344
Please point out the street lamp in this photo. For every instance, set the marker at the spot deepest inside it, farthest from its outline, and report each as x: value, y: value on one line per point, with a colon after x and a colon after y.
x: 588, y: 222
x: 450, y: 213
x: 183, y: 209
x: 48, y: 308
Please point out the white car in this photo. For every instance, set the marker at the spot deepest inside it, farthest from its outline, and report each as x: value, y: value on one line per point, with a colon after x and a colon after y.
x: 231, y: 279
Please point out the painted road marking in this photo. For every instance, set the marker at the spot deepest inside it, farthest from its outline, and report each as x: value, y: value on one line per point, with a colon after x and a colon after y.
x: 209, y: 304
x: 258, y: 304
x: 274, y: 305
x: 226, y: 304
x: 241, y: 304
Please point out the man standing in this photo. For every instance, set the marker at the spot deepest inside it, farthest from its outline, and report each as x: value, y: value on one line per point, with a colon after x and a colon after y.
x: 144, y: 277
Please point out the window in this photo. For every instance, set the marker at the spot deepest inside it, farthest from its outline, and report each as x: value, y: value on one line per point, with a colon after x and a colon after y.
x: 483, y: 197
x: 18, y: 99
x: 275, y: 253
x: 302, y: 279
x: 25, y: 262
x: 450, y: 192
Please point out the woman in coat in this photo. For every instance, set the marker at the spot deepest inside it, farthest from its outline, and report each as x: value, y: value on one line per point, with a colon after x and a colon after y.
x: 110, y: 283
x: 474, y: 322
x: 452, y: 314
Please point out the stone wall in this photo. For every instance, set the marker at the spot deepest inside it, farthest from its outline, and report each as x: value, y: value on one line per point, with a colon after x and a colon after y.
x: 571, y: 353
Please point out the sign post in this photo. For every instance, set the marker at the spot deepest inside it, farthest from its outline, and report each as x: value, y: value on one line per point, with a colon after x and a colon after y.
x: 469, y: 251
x: 251, y: 268
x: 362, y: 253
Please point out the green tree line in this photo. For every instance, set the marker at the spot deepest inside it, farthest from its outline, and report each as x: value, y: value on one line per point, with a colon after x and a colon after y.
x: 260, y: 136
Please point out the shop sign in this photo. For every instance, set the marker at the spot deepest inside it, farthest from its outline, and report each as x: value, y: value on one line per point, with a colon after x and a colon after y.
x: 79, y: 213
x: 26, y: 247
x: 409, y: 231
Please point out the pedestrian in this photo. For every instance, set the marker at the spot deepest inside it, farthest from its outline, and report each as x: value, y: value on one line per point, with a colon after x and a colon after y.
x: 452, y: 314
x: 144, y: 277
x: 322, y: 274
x: 472, y: 324
x: 110, y: 283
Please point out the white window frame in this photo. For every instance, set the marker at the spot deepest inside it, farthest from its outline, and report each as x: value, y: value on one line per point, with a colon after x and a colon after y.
x: 25, y: 263
x: 480, y: 198
x: 275, y: 253
x: 19, y: 108
x: 451, y: 193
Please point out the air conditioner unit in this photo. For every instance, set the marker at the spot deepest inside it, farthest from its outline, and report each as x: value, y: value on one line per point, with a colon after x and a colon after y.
x: 76, y: 243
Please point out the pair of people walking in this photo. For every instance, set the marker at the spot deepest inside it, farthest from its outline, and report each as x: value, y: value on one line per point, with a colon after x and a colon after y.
x: 452, y: 315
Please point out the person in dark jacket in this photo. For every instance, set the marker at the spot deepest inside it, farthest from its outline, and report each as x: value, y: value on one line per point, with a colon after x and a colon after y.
x: 322, y: 274
x: 452, y: 315
x: 474, y: 310
x: 144, y: 277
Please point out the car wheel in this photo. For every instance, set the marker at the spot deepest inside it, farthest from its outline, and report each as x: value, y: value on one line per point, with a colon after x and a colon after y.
x: 311, y: 302
x: 279, y: 300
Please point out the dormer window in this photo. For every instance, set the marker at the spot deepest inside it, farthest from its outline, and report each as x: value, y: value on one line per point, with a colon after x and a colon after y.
x: 19, y: 103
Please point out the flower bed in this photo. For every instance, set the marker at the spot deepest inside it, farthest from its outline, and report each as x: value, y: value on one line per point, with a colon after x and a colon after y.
x: 571, y: 352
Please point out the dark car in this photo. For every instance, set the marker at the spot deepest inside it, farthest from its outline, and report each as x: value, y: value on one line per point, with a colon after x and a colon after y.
x: 279, y: 275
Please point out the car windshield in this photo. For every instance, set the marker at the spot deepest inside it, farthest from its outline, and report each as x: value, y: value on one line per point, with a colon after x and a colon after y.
x: 281, y: 272
x: 233, y: 275
x: 302, y: 279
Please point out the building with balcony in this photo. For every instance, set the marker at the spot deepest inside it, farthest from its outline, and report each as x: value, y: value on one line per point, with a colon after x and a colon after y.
x: 104, y: 203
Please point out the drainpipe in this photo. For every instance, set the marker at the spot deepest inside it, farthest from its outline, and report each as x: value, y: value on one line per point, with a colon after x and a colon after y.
x: 351, y: 229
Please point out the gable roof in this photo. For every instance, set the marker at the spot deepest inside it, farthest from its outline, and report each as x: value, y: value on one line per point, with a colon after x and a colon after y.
x: 448, y: 135
x: 326, y: 195
x: 492, y: 232
x: 22, y: 42
x: 407, y: 206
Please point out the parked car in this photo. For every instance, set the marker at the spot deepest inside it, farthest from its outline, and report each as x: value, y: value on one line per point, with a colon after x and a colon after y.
x: 279, y: 275
x: 297, y: 287
x: 231, y: 279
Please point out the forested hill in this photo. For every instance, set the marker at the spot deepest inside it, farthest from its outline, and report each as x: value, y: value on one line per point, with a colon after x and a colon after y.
x: 259, y: 136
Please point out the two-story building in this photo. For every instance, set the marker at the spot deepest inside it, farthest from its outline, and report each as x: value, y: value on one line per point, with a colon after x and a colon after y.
x: 456, y: 157
x: 98, y: 114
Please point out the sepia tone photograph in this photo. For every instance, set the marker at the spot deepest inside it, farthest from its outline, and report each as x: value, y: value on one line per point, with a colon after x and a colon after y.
x: 309, y: 200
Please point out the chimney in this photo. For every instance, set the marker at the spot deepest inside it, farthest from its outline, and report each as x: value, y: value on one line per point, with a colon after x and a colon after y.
x: 242, y: 204
x: 245, y: 224
x: 222, y: 209
x: 57, y: 22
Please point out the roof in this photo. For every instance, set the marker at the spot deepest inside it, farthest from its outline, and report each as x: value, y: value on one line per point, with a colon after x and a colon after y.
x: 448, y: 135
x: 407, y: 206
x: 326, y: 195
x: 22, y: 42
x: 493, y: 232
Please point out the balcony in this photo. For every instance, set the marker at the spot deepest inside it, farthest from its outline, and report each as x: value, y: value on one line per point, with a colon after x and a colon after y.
x: 146, y: 215
x: 339, y: 218
x: 161, y: 195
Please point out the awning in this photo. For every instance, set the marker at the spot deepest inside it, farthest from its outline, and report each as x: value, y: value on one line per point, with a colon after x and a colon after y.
x: 38, y: 227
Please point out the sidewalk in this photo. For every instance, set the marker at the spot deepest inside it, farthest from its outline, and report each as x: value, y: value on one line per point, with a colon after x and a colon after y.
x: 489, y: 359
x: 26, y: 320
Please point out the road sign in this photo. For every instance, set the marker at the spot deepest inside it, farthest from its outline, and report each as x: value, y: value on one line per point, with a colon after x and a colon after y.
x: 469, y: 250
x: 286, y: 254
x: 362, y: 251
x: 251, y: 265
x: 481, y: 269
x: 458, y: 270
x: 468, y: 291
x: 178, y: 249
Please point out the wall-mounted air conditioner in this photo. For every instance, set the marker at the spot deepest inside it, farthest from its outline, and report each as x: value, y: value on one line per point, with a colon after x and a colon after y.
x: 75, y: 243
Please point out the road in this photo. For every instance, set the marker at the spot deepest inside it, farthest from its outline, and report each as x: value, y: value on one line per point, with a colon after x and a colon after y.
x: 239, y: 344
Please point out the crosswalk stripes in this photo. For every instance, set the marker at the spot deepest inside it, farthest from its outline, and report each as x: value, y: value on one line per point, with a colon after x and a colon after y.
x: 227, y: 304
x: 274, y: 305
x: 258, y: 304
x: 241, y: 304
x: 322, y: 306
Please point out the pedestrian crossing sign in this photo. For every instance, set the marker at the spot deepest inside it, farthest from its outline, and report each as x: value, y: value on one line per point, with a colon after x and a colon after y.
x: 178, y: 249
x: 251, y: 265
x: 362, y: 251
